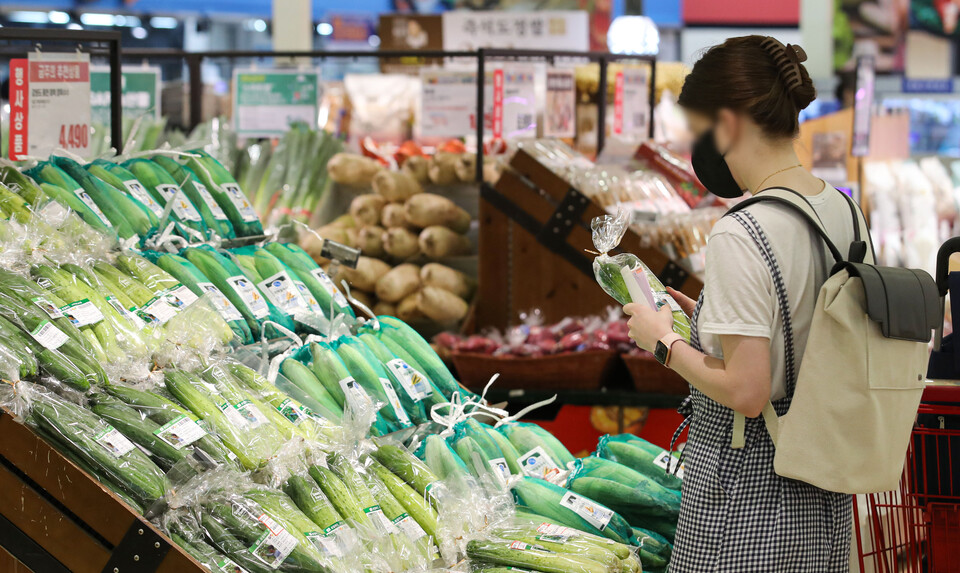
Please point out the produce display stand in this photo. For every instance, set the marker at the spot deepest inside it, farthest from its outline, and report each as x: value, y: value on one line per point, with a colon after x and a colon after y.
x: 54, y: 518
x: 95, y: 43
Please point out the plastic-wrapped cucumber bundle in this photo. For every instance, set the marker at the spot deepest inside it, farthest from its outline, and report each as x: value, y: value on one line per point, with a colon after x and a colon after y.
x: 302, y: 382
x: 66, y: 191
x: 479, y: 451
x: 100, y: 445
x: 417, y: 393
x: 250, y: 406
x: 184, y: 529
x: 191, y: 277
x: 640, y: 500
x: 122, y: 179
x: 625, y: 277
x: 213, y: 216
x: 17, y: 182
x: 312, y: 425
x: 571, y: 509
x: 17, y: 361
x: 282, y: 286
x: 177, y: 426
x: 541, y: 454
x: 370, y: 374
x: 330, y: 369
x: 649, y: 459
x: 329, y: 297
x: 226, y: 192
x: 164, y: 189
x: 521, y: 554
x: 523, y: 520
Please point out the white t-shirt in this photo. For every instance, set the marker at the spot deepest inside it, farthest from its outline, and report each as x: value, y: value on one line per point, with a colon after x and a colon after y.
x: 739, y: 296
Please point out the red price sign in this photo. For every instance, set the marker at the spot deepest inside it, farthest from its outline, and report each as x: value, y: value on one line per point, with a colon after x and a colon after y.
x: 618, y: 104
x: 498, y: 104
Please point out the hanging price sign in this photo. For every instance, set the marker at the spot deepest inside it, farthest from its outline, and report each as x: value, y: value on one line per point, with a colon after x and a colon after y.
x: 49, y: 104
x: 631, y: 104
x: 498, y: 104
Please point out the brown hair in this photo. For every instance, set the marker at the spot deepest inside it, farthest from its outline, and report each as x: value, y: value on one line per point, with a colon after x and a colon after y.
x: 756, y: 75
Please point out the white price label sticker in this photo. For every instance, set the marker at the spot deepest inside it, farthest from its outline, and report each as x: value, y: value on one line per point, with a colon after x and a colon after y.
x: 47, y: 307
x: 413, y: 382
x: 538, y: 463
x: 233, y: 416
x: 596, y: 515
x: 48, y: 335
x: 182, y: 207
x: 394, y: 401
x: 180, y: 296
x: 157, y: 311
x: 215, y: 208
x: 669, y: 464
x: 283, y: 293
x: 409, y: 527
x: 180, y: 432
x: 82, y: 313
x: 251, y: 414
x: 138, y: 192
x: 290, y: 411
x: 274, y: 545
x: 239, y: 200
x: 230, y: 566
x: 248, y: 292
x: 375, y: 514
x: 221, y: 302
x: 308, y: 297
x: 500, y: 469
x: 113, y: 441
x: 88, y: 201
x: 331, y: 288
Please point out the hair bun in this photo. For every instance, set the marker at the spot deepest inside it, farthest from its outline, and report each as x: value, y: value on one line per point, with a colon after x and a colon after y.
x: 789, y: 59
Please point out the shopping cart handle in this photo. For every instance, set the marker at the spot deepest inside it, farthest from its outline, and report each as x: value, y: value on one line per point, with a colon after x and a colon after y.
x: 943, y: 263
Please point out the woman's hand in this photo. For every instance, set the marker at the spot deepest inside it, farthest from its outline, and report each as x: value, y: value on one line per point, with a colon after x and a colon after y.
x: 687, y: 304
x: 648, y: 326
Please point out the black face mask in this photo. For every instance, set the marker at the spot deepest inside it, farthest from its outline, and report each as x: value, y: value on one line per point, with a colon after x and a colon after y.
x: 711, y: 168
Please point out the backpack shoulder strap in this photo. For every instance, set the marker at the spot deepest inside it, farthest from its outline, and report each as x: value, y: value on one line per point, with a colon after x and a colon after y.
x: 861, y: 235
x: 799, y: 204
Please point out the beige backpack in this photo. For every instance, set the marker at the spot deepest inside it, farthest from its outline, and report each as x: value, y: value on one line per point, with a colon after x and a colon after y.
x: 863, y: 370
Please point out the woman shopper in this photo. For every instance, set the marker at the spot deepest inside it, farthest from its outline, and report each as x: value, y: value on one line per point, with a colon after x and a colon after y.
x: 764, y: 268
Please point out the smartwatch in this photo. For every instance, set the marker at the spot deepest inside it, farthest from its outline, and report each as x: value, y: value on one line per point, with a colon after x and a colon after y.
x: 664, y: 348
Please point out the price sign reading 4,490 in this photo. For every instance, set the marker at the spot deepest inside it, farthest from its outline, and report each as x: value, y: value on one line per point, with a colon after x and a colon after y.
x: 75, y: 136
x: 49, y: 104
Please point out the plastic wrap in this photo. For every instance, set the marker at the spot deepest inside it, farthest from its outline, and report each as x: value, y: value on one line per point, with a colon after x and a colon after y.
x: 638, y: 499
x: 649, y: 459
x: 541, y: 455
x: 571, y: 509
x: 613, y: 272
x: 373, y: 378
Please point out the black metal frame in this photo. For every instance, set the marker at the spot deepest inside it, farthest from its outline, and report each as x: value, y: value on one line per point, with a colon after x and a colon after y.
x: 92, y: 41
x: 194, y: 60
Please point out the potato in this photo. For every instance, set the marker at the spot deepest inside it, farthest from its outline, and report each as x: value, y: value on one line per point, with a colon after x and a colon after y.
x: 440, y: 305
x: 466, y: 168
x: 396, y: 185
x: 443, y: 168
x: 365, y: 209
x: 418, y: 167
x: 394, y: 215
x: 400, y: 282
x: 452, y: 280
x: 400, y: 243
x: 365, y: 276
x: 313, y: 245
x: 352, y: 169
x: 437, y: 242
x: 370, y: 240
x: 491, y: 170
x: 385, y: 308
x: 344, y: 221
x: 408, y: 309
x: 427, y: 209
x: 352, y: 236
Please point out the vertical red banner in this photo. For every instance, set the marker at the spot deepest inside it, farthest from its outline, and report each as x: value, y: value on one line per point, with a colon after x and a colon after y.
x: 498, y: 104
x: 618, y: 104
x: 19, y: 107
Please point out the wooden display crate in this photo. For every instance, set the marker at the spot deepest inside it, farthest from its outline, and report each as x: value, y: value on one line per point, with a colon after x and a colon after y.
x: 54, y: 518
x: 534, y: 243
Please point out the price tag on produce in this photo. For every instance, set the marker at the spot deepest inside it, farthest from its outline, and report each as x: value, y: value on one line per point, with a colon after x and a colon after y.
x: 449, y: 102
x: 49, y: 104
x: 560, y: 113
x: 113, y: 441
x: 538, y: 463
x: 596, y: 515
x: 180, y: 432
x: 266, y: 102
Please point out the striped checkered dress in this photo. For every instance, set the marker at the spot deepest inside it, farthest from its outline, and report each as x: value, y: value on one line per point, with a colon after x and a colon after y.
x: 737, y: 515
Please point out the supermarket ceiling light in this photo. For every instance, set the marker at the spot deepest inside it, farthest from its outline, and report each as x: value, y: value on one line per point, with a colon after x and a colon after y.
x: 259, y: 25
x: 325, y: 28
x: 374, y: 41
x: 57, y: 17
x: 163, y: 22
x: 139, y: 33
x: 29, y: 17
x: 94, y: 19
x: 633, y: 35
x: 74, y: 26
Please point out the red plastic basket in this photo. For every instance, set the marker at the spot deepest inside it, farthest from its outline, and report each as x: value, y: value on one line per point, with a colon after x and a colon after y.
x: 916, y: 529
